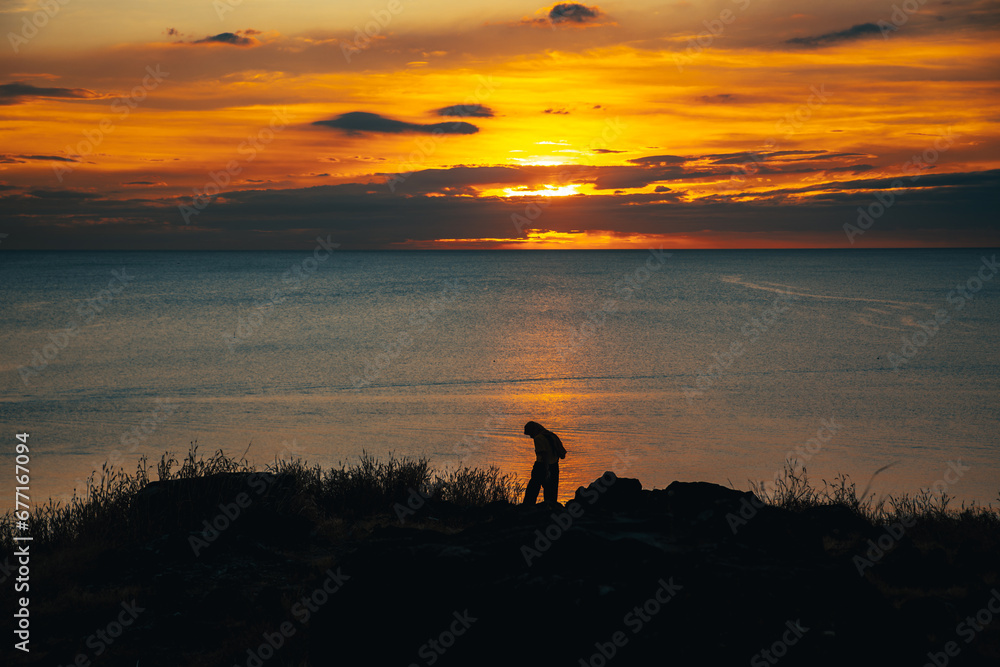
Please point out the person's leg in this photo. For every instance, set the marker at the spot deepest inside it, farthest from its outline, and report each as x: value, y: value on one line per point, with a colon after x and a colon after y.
x: 534, y: 484
x: 552, y: 484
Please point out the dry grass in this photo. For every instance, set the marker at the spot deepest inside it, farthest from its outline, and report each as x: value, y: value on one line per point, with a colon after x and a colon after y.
x: 370, y: 487
x: 475, y: 486
x: 793, y: 491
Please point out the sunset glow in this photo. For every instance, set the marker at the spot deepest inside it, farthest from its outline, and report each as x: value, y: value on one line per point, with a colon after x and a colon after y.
x: 547, y: 191
x: 145, y: 130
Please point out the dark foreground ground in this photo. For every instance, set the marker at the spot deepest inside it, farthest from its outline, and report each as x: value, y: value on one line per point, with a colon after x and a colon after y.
x: 695, y: 574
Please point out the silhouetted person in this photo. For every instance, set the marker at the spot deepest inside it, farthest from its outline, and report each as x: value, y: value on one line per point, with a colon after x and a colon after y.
x: 545, y: 472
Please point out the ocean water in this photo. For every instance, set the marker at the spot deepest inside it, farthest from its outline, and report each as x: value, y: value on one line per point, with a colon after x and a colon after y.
x: 689, y: 365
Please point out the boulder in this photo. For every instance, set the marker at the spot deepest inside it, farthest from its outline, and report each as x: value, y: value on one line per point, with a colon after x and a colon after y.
x: 611, y: 492
x: 179, y: 505
x: 699, y: 501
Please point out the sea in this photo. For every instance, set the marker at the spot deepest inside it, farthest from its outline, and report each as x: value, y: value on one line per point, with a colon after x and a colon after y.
x: 692, y: 365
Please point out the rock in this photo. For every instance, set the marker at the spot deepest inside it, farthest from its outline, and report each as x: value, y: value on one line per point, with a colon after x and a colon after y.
x: 711, y: 508
x: 693, y: 497
x: 612, y: 493
x: 169, y: 506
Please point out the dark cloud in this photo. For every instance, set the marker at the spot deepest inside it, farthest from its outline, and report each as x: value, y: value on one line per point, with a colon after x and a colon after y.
x: 953, y: 182
x: 463, y: 110
x: 658, y: 160
x: 143, y: 184
x: 569, y: 14
x: 854, y: 32
x: 853, y: 168
x: 824, y: 155
x: 17, y: 92
x: 653, y: 169
x: 937, y: 209
x: 926, y: 187
x: 605, y: 150
x: 15, y: 159
x: 355, y: 122
x: 722, y: 98
x: 62, y: 194
x: 560, y: 112
x: 240, y: 38
x: 782, y: 156
x: 439, y: 180
x: 612, y: 178
x: 573, y: 12
x: 643, y: 171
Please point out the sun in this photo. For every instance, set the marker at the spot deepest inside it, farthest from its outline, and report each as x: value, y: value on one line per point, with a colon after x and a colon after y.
x: 540, y: 161
x: 545, y: 191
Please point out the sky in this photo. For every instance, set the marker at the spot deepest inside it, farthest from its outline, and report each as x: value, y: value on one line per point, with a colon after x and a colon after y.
x: 263, y: 124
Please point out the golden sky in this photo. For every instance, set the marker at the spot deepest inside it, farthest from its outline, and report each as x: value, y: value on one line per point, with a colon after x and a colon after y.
x: 405, y: 123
